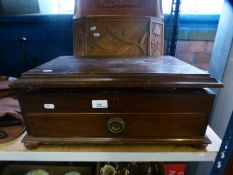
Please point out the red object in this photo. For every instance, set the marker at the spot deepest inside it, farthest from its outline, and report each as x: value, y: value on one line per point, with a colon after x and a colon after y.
x: 174, y: 169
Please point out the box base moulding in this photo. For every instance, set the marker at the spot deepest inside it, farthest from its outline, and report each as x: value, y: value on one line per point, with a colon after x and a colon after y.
x: 31, y: 142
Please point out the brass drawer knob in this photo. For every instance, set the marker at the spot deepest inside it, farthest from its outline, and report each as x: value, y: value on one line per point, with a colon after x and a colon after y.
x: 116, y: 125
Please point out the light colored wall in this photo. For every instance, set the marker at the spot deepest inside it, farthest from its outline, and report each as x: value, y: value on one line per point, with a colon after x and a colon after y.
x: 221, y: 67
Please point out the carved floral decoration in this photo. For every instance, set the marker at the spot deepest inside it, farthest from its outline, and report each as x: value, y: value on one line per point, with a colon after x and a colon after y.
x: 156, y: 40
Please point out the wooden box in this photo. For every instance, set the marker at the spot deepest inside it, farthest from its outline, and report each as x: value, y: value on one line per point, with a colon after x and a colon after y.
x: 118, y: 7
x: 121, y: 36
x: 150, y: 100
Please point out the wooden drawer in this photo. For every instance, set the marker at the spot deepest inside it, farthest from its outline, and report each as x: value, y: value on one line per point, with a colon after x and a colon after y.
x: 68, y: 125
x: 130, y: 116
x: 118, y: 101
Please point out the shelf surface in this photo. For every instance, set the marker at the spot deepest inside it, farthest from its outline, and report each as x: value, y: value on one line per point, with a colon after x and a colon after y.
x: 15, y: 151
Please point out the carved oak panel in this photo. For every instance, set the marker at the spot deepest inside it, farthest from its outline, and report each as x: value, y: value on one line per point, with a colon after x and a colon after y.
x: 118, y: 36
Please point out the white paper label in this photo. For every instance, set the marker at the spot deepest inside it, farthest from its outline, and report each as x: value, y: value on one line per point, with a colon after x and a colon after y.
x: 47, y: 70
x: 49, y: 106
x: 99, y: 104
x: 96, y: 34
x: 92, y: 28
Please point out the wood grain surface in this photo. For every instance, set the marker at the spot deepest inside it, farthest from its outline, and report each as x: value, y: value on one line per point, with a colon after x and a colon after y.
x: 153, y: 72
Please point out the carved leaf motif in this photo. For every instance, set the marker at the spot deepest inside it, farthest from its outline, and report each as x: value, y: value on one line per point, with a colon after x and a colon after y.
x: 142, y: 39
x: 115, y: 33
x: 156, y: 30
x: 122, y: 50
x: 130, y: 33
x: 136, y: 51
x: 104, y: 43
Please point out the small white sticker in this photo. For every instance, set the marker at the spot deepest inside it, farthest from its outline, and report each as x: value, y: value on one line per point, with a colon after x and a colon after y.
x: 47, y: 70
x: 99, y: 104
x: 96, y: 34
x: 49, y: 106
x: 92, y: 28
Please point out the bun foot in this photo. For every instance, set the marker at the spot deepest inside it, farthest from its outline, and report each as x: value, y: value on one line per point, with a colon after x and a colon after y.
x: 31, y: 144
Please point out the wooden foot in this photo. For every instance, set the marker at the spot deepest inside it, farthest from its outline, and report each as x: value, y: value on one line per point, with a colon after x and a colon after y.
x: 31, y: 144
x: 199, y: 146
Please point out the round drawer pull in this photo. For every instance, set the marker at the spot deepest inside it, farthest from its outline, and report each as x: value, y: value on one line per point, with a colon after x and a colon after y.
x: 116, y: 125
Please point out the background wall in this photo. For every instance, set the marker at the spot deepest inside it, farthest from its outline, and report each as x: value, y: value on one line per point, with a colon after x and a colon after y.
x: 47, y: 36
x: 196, y: 39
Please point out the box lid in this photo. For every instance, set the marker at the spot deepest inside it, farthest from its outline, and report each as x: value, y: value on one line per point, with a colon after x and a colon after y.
x: 145, y: 72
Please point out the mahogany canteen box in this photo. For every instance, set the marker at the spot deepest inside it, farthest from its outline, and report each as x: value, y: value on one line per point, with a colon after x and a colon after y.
x: 121, y: 36
x: 118, y: 7
x: 149, y: 100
